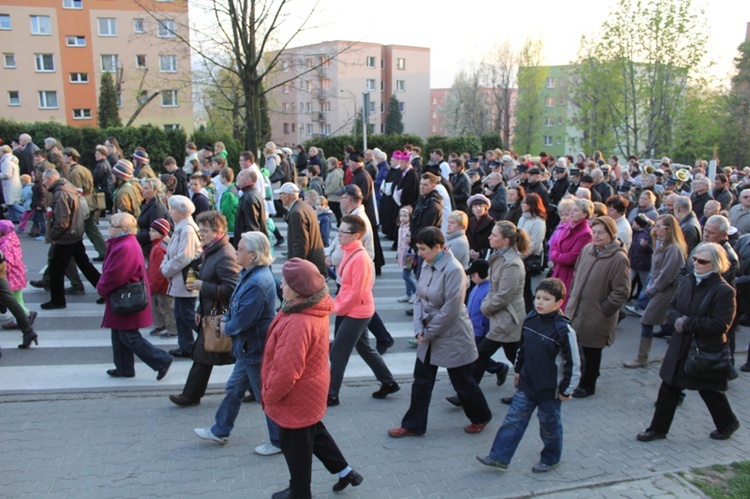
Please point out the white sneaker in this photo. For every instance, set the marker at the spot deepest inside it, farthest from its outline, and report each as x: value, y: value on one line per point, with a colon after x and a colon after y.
x: 207, y: 434
x: 403, y: 299
x: 412, y: 298
x: 634, y: 310
x: 267, y: 449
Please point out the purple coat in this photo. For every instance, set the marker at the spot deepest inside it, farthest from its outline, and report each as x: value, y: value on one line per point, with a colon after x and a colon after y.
x: 123, y: 265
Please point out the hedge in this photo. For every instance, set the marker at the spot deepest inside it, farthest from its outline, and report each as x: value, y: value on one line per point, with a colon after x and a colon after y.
x: 158, y: 143
x: 467, y: 143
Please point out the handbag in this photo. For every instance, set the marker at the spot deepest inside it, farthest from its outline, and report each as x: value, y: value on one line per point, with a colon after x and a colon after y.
x: 708, y: 363
x: 213, y: 340
x: 129, y: 299
x: 533, y: 264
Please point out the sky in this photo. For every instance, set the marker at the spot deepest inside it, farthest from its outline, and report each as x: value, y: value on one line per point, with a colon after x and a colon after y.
x: 458, y: 33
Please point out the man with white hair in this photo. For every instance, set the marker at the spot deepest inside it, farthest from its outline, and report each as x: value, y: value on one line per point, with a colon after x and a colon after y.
x: 691, y: 228
x: 739, y: 214
x: 313, y: 158
x: 26, y: 156
x: 602, y: 187
x: 701, y: 195
x: 583, y: 193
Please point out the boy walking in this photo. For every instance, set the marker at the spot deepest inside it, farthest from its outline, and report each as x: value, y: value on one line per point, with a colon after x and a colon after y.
x: 548, y: 368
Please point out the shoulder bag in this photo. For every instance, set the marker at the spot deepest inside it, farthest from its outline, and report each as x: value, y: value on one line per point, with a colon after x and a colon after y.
x: 213, y: 340
x: 708, y: 363
x: 129, y: 299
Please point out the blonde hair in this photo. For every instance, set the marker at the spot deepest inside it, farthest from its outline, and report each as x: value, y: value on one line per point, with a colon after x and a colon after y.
x: 125, y: 220
x: 459, y: 217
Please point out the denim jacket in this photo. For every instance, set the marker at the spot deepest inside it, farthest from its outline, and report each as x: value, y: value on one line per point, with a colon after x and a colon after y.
x: 252, y: 307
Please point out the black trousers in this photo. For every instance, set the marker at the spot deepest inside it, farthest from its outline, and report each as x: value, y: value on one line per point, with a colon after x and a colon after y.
x: 197, y: 381
x: 592, y: 360
x: 473, y: 402
x: 299, y: 445
x: 487, y: 349
x: 378, y: 330
x: 61, y: 256
x: 71, y: 271
x: 669, y: 397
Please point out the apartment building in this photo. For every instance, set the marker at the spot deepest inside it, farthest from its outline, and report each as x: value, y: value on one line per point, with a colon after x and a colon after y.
x: 55, y: 51
x: 322, y: 87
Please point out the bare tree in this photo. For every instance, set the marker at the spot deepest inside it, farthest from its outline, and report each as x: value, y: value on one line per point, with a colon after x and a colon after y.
x: 500, y: 73
x: 465, y: 111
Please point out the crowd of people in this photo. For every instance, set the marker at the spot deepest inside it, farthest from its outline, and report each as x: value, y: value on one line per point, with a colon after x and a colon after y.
x: 471, y: 234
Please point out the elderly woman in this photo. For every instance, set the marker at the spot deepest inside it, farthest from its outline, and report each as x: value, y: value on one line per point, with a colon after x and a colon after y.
x: 566, y: 246
x: 480, y: 226
x: 252, y: 307
x: 534, y: 222
x: 667, y: 259
x: 455, y: 237
x: 182, y: 249
x: 600, y: 288
x: 124, y: 265
x: 153, y: 208
x: 11, y: 179
x: 295, y: 377
x: 701, y: 311
x: 446, y: 338
x: 216, y: 280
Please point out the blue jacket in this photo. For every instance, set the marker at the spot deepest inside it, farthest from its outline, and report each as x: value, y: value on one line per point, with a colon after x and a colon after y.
x: 252, y: 307
x: 478, y: 320
x: 548, y: 361
x: 324, y: 221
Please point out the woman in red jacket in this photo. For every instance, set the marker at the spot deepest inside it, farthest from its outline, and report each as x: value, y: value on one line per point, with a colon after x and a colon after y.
x: 295, y: 376
x: 354, y: 307
x: 124, y: 265
x: 564, y: 250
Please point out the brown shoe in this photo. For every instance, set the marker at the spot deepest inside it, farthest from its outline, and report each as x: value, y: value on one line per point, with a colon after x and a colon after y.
x: 402, y: 432
x: 476, y: 427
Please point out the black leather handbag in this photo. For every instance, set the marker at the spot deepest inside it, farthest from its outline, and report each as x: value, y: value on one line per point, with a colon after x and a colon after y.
x: 129, y: 299
x: 705, y: 363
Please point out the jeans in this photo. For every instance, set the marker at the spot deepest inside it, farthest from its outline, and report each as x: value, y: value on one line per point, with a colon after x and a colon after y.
x: 37, y: 219
x: 411, y: 284
x: 126, y: 342
x: 352, y: 333
x: 514, y: 426
x: 246, y: 373
x: 184, y: 318
x: 61, y: 256
x: 472, y: 399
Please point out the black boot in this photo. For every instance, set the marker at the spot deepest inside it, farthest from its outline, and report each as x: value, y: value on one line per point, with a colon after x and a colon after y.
x: 28, y: 337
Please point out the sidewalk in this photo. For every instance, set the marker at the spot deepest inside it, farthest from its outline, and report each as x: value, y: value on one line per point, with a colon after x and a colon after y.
x: 138, y: 444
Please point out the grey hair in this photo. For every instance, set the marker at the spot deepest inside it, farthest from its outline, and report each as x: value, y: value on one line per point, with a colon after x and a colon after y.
x: 584, y: 193
x: 181, y: 204
x: 51, y: 173
x: 585, y: 205
x: 716, y: 255
x: 380, y: 155
x: 258, y: 243
x: 721, y: 223
x: 125, y: 220
x: 683, y: 203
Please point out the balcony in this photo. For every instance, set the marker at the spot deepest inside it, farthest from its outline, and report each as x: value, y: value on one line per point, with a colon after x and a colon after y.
x: 319, y: 117
x: 322, y: 93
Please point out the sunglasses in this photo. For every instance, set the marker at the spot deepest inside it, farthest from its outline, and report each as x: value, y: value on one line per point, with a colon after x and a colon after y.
x: 701, y: 260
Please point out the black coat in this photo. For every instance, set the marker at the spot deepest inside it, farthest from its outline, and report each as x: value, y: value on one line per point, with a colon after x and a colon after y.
x: 691, y: 229
x: 389, y: 208
x: 479, y: 233
x: 149, y: 212
x: 409, y: 185
x: 709, y: 307
x: 605, y: 190
x: 539, y: 189
x: 514, y: 212
x: 181, y: 182
x: 303, y: 235
x: 461, y: 191
x: 559, y: 189
x: 499, y: 202
x: 251, y: 216
x: 699, y: 202
x: 362, y: 179
x: 428, y: 212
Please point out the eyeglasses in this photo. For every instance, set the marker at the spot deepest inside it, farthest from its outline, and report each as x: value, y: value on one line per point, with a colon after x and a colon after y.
x: 701, y: 260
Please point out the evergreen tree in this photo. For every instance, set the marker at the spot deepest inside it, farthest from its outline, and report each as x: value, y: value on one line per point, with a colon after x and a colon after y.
x: 736, y: 137
x: 394, y: 122
x: 109, y: 115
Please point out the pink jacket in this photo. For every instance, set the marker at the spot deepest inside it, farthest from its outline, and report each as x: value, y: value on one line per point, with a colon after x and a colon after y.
x: 295, y: 370
x: 355, y: 298
x: 11, y: 248
x: 404, y: 238
x: 564, y: 251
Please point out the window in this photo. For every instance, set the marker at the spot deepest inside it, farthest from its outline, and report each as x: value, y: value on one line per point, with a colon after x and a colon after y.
x: 40, y: 25
x: 382, y: 128
x: 382, y: 63
x: 547, y: 140
x: 402, y: 107
x: 434, y: 101
x: 400, y: 85
x: 79, y: 77
x: 286, y: 127
x: 370, y: 84
x: 47, y: 99
x: 549, y: 121
x: 110, y: 63
x: 285, y: 66
x: 325, y: 62
x: 549, y: 102
x: 166, y: 28
x: 171, y: 128
x: 434, y: 115
x: 14, y: 99
x: 559, y: 141
x: 81, y: 114
x: 75, y: 41
x: 5, y: 21
x: 382, y: 107
x: 10, y: 60
x: 285, y: 88
x: 140, y: 61
x: 168, y: 63
x: 72, y: 4
x: 372, y: 106
x: 325, y: 83
x: 139, y: 25
x: 294, y: 127
x: 169, y: 98
x: 45, y: 63
x: 401, y: 63
x: 325, y: 106
x: 559, y: 122
x: 551, y: 83
x: 107, y: 26
x: 370, y: 62
x: 308, y: 106
x: 382, y: 85
x: 309, y: 129
x: 434, y: 128
x: 327, y: 129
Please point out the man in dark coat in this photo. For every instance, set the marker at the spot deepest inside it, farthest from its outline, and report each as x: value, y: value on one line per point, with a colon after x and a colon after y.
x: 498, y: 195
x: 561, y: 185
x: 601, y: 186
x: 362, y: 179
x: 536, y: 186
x: 181, y: 181
x: 461, y: 185
x: 700, y: 196
x: 303, y: 232
x: 251, y: 212
x: 722, y: 193
x: 26, y: 154
x: 691, y: 228
x: 428, y: 212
